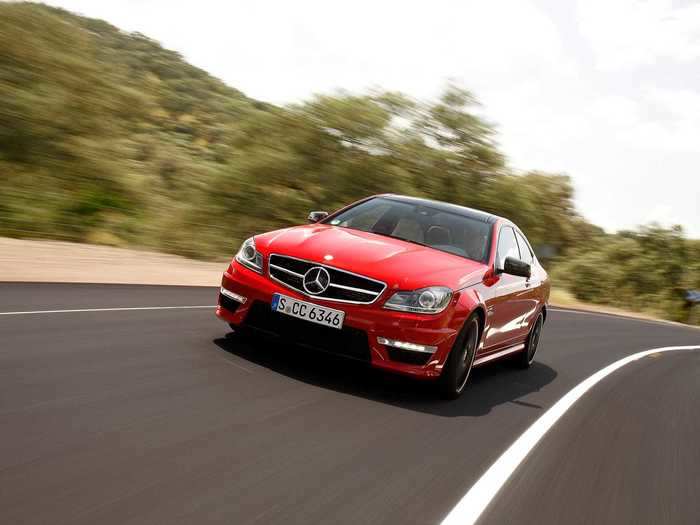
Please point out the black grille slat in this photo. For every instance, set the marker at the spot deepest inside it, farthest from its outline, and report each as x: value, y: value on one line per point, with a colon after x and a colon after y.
x: 289, y: 271
x: 347, y: 342
x: 355, y: 281
x: 287, y: 278
x: 294, y: 265
x: 350, y: 295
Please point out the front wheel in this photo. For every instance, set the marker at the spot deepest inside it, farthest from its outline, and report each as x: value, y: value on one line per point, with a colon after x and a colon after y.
x: 459, y: 363
x: 527, y: 356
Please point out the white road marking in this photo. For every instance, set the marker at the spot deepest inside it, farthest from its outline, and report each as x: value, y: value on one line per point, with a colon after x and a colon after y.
x: 471, y: 506
x: 31, y: 312
x: 584, y: 312
x: 621, y: 316
x: 607, y: 314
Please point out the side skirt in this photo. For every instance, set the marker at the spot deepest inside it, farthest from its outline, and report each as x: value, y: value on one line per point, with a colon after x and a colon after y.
x: 496, y: 355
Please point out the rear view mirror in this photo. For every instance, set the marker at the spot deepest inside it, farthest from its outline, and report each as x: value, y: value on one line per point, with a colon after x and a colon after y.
x: 517, y: 267
x: 316, y: 216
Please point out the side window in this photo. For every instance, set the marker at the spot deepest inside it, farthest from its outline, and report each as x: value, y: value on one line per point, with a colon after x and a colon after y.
x: 525, y: 253
x: 507, y: 246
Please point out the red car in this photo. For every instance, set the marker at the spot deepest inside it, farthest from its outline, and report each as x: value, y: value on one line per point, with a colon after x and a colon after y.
x: 413, y: 286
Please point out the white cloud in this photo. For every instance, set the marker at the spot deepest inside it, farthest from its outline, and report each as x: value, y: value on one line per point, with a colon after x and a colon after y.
x: 628, y: 33
x: 665, y: 215
x: 282, y: 51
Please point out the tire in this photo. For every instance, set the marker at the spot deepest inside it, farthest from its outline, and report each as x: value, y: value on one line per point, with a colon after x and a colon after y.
x: 525, y: 358
x: 459, y: 363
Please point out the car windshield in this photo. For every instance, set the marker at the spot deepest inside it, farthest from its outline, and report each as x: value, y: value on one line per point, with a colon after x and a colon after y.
x: 419, y: 223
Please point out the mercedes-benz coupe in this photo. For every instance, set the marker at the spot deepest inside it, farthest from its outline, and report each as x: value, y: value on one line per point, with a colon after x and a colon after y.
x: 409, y: 285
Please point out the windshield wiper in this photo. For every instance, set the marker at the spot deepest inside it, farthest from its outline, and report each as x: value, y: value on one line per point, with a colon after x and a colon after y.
x: 407, y: 240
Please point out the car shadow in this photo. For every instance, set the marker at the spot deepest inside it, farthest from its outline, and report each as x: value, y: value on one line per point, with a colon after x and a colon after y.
x: 489, y: 385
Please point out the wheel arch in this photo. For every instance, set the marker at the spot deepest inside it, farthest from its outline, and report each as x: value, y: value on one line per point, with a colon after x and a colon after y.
x: 472, y: 302
x: 480, y: 312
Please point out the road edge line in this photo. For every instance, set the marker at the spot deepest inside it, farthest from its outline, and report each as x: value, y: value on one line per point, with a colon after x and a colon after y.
x: 125, y: 309
x: 626, y: 316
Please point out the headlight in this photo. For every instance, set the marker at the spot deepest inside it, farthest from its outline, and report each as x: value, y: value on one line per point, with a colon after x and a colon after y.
x: 431, y: 300
x: 249, y: 257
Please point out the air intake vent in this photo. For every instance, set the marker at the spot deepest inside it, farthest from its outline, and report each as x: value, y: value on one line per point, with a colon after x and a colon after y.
x: 228, y: 304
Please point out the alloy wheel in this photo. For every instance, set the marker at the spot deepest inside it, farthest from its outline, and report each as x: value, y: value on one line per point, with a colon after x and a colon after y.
x: 468, y: 353
x: 534, y: 340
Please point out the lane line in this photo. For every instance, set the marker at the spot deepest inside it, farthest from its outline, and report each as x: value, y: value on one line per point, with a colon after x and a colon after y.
x: 31, y: 312
x: 610, y: 314
x: 475, y: 501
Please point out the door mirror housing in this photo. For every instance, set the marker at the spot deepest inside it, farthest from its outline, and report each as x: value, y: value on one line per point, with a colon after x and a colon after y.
x: 517, y: 267
x: 316, y: 216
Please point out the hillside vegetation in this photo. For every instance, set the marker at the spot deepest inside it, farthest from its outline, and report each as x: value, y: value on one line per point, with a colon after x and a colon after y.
x: 107, y: 137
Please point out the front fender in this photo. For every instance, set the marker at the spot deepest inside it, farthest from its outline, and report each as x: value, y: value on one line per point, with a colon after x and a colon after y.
x: 470, y: 300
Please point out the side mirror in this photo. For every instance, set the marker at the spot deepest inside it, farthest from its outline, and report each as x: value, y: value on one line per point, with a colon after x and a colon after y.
x: 517, y: 267
x: 316, y: 216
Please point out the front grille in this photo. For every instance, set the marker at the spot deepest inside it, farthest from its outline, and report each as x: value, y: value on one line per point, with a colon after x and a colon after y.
x: 344, y: 286
x: 347, y: 342
x: 228, y: 303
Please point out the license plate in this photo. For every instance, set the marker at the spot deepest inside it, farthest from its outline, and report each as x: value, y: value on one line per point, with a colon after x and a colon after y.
x: 308, y: 311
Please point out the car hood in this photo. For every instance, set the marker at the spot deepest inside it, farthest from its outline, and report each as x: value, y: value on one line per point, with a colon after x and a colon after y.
x: 400, y: 264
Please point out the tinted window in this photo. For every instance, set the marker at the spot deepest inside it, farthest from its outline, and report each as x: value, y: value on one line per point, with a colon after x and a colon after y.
x: 525, y: 253
x: 419, y: 223
x: 363, y: 216
x: 507, y: 245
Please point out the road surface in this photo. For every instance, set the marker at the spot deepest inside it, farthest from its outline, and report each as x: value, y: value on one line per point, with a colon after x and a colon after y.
x: 154, y: 416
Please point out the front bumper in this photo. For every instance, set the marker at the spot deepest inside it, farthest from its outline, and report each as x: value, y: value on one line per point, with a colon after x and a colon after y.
x: 372, y: 320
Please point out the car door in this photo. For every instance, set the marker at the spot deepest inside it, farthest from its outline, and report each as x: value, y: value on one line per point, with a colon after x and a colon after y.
x: 509, y: 305
x: 531, y: 294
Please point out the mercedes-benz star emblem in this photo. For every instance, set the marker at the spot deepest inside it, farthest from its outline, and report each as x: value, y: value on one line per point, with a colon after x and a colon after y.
x: 316, y: 280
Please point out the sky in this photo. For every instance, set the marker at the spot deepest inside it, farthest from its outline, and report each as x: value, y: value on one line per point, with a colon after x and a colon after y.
x: 606, y: 91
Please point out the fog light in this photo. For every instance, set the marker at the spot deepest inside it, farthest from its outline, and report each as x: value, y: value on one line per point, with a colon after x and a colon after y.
x: 403, y: 345
x: 234, y: 296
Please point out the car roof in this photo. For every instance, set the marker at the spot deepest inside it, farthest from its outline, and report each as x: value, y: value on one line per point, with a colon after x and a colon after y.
x: 471, y: 213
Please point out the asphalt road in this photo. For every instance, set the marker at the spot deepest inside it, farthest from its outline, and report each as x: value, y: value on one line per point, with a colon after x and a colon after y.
x: 154, y: 416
